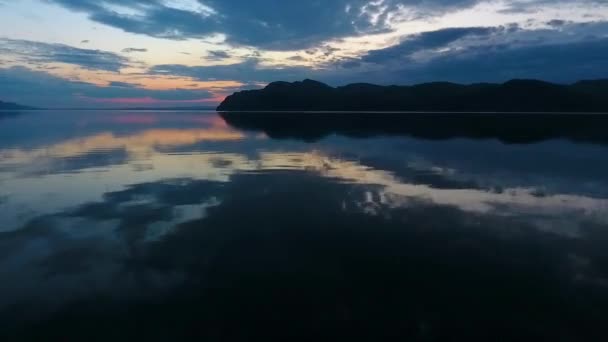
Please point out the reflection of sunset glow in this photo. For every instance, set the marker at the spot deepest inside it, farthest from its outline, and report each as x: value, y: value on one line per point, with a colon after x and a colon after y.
x: 220, y: 166
x: 143, y: 118
x: 147, y: 141
x: 387, y: 190
x: 138, y: 119
x: 213, y: 120
x: 177, y: 137
x: 148, y: 149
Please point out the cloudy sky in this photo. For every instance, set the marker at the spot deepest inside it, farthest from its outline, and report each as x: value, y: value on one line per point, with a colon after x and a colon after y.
x: 108, y: 53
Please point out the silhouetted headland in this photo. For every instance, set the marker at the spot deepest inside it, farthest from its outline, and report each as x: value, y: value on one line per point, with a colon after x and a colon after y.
x: 12, y: 106
x: 512, y: 96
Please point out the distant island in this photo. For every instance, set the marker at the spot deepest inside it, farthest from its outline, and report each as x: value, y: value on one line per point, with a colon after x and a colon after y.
x: 512, y: 96
x: 13, y: 106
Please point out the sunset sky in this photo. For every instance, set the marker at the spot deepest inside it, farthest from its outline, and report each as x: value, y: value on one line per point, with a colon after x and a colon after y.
x: 114, y: 53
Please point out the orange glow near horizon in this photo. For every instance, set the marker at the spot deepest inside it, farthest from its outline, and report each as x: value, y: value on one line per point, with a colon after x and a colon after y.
x: 150, y: 100
x: 220, y: 89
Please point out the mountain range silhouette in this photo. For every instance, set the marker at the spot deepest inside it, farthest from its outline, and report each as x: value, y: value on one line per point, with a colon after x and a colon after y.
x: 512, y: 96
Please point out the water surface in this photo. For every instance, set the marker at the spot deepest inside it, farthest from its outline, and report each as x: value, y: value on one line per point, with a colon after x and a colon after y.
x: 179, y: 225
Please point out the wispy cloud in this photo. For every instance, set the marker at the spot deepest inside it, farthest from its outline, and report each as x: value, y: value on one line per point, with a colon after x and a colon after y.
x: 474, y: 54
x: 40, y: 88
x: 132, y: 50
x: 37, y: 53
x: 194, y: 50
x: 217, y: 55
x: 425, y: 41
x: 270, y: 24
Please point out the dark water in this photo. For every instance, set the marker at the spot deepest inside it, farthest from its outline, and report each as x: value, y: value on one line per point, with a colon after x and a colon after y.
x: 189, y: 226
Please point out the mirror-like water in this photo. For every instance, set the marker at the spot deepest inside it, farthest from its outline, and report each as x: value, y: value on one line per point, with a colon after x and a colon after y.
x: 173, y: 225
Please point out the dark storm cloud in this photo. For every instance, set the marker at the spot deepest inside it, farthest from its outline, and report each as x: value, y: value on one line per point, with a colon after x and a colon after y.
x: 424, y: 41
x: 565, y: 53
x: 217, y: 55
x: 464, y: 55
x: 36, y: 52
x: 270, y: 24
x: 554, y: 62
x: 22, y: 85
x: 249, y: 70
x: 519, y: 6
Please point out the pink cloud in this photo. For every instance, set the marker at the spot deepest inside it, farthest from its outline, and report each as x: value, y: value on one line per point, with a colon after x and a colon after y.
x: 149, y: 101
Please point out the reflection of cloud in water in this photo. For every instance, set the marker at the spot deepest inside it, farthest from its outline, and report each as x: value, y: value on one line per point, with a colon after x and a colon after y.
x: 87, y: 249
x: 96, y: 160
x: 395, y: 192
x: 513, y: 201
x: 53, y: 260
x: 135, y: 119
x: 269, y: 234
x: 182, y: 214
x: 369, y: 229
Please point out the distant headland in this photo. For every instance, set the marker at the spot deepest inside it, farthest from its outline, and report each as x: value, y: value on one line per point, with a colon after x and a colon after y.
x: 512, y: 96
x: 13, y: 106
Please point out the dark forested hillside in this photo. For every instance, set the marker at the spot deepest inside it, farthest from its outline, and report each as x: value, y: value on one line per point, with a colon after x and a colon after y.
x: 512, y: 96
x: 12, y: 106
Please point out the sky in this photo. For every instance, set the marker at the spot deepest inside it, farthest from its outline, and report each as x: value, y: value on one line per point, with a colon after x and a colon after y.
x: 176, y: 53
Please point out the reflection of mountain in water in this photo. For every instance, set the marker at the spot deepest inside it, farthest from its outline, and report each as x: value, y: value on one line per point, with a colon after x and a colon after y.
x: 8, y: 114
x: 510, y: 128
